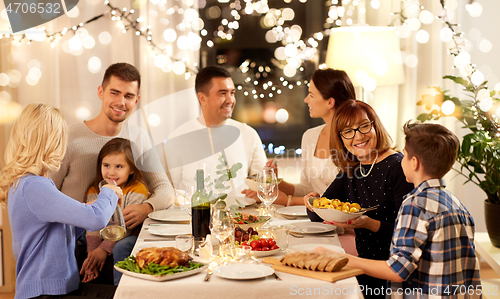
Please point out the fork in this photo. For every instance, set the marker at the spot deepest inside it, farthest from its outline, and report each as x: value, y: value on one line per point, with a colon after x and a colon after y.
x: 362, y: 210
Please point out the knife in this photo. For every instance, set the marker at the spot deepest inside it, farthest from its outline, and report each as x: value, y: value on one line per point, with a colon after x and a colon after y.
x: 155, y: 240
x: 209, y: 273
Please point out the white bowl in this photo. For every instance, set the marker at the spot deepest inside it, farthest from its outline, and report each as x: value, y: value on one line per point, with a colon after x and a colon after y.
x: 332, y: 214
x: 252, y: 184
x: 257, y: 253
x: 255, y: 225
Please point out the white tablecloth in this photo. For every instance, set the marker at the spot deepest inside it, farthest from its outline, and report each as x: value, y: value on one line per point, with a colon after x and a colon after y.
x: 220, y: 288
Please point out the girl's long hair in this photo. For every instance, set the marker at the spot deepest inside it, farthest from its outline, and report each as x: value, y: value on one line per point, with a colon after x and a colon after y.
x: 113, y: 147
x: 37, y: 145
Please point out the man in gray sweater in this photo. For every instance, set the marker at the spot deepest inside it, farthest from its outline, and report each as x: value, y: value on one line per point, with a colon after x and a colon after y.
x: 119, y: 93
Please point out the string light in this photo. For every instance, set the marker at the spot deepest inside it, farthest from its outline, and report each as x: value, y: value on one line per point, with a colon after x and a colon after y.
x: 124, y: 16
x: 483, y: 103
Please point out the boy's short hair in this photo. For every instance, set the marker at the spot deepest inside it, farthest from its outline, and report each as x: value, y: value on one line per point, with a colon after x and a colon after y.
x: 123, y: 71
x: 204, y: 77
x: 435, y: 147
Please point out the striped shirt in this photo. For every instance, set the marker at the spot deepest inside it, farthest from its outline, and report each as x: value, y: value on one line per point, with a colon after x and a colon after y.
x: 432, y: 248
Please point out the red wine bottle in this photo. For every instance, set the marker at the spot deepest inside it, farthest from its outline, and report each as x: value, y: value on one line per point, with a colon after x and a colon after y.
x: 200, y: 208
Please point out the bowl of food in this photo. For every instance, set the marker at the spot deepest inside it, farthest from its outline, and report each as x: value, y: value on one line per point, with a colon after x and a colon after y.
x: 335, y: 210
x: 244, y: 220
x: 251, y: 182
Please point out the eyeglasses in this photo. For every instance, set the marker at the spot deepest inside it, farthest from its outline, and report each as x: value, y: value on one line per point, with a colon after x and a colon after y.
x: 364, y: 128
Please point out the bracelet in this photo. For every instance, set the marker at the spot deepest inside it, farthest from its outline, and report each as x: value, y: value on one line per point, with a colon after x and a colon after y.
x: 289, y: 200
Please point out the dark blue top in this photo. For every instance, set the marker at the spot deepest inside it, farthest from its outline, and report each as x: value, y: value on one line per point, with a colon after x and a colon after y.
x: 385, y: 185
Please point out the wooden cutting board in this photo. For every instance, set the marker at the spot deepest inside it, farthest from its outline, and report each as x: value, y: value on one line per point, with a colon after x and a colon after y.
x: 346, y: 272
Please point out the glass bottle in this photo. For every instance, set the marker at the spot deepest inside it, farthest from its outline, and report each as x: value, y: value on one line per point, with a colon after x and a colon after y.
x: 200, y: 208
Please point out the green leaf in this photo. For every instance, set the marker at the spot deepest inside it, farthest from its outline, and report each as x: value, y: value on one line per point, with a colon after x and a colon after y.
x: 423, y: 117
x: 477, y: 166
x: 466, y: 144
x: 234, y: 169
x: 458, y: 80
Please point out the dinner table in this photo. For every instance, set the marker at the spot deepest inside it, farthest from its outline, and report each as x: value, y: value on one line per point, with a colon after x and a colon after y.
x: 195, y: 286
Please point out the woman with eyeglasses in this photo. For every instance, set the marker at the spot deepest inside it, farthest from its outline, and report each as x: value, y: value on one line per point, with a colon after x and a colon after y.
x: 370, y: 174
x: 328, y: 89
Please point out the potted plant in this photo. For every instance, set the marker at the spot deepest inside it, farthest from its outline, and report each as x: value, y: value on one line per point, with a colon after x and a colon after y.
x: 479, y: 153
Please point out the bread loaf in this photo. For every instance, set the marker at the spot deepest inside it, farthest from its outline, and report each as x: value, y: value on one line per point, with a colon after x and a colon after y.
x: 325, y: 262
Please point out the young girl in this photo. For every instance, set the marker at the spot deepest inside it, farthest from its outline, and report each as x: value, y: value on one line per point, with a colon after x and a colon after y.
x: 115, y: 162
x: 43, y: 219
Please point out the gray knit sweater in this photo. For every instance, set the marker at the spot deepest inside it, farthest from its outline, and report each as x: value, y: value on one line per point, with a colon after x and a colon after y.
x: 78, y: 168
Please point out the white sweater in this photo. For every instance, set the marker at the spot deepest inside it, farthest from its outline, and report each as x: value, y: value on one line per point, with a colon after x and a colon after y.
x: 317, y: 174
x: 239, y: 142
x: 78, y: 168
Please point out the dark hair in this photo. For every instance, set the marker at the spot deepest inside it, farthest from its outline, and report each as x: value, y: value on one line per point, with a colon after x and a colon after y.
x: 345, y: 114
x: 123, y: 71
x: 435, y: 147
x: 334, y: 84
x: 205, y: 75
x: 117, y: 146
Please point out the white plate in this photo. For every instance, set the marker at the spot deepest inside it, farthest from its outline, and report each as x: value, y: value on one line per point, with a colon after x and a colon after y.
x: 293, y: 211
x: 310, y: 247
x: 163, y: 277
x: 264, y: 253
x: 170, y: 230
x: 243, y: 271
x: 310, y: 227
x: 243, y: 200
x: 170, y: 215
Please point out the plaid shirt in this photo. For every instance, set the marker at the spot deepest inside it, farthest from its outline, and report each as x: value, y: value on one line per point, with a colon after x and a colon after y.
x: 432, y: 247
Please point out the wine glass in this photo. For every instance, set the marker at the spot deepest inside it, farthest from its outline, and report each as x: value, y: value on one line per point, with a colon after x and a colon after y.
x: 116, y: 228
x: 185, y: 243
x: 222, y: 227
x: 267, y: 188
x: 185, y: 199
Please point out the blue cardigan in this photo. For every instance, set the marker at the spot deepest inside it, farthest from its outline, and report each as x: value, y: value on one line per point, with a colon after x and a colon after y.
x: 43, y: 221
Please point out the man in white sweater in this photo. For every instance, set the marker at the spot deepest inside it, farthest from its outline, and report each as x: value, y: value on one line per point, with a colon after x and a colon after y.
x: 238, y: 142
x: 119, y: 93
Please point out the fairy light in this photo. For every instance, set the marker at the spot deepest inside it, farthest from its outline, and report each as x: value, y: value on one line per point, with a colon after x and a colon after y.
x: 123, y: 15
x: 411, y: 13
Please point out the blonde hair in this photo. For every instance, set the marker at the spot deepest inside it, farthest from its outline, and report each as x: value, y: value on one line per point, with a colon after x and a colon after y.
x: 36, y: 146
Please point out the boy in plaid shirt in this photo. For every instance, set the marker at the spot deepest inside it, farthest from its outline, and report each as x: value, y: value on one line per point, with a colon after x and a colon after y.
x: 432, y: 248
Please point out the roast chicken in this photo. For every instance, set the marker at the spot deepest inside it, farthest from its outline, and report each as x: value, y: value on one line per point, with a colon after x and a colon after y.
x: 165, y: 256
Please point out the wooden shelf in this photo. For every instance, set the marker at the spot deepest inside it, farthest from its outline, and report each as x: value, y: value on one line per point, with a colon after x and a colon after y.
x: 9, y: 263
x: 487, y: 251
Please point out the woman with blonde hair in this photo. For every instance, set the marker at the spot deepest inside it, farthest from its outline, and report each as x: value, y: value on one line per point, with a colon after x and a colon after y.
x: 43, y: 219
x: 370, y: 174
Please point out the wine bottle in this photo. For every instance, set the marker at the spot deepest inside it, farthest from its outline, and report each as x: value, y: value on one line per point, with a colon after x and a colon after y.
x: 200, y: 208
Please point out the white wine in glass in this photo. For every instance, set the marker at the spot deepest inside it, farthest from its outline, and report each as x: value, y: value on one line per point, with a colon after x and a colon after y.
x: 115, y: 230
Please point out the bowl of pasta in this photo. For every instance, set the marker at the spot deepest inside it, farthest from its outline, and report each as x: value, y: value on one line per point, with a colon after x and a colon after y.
x: 335, y: 210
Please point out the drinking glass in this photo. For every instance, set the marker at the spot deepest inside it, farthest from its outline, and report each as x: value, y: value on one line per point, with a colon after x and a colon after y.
x: 267, y: 188
x: 280, y: 234
x: 115, y: 230
x: 222, y: 227
x: 185, y: 199
x: 185, y: 243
